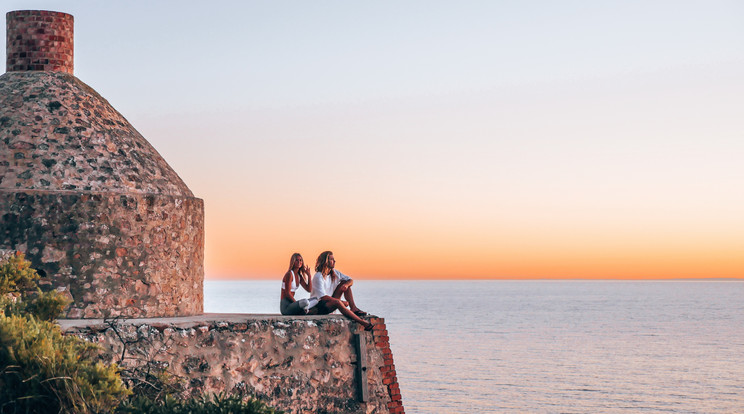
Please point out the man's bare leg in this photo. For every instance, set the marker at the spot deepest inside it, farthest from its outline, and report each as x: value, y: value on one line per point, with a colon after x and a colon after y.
x: 335, y: 303
x: 350, y: 298
x: 345, y: 290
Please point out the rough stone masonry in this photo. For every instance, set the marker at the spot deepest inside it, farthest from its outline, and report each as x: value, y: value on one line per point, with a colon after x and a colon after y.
x: 305, y: 364
x: 90, y: 202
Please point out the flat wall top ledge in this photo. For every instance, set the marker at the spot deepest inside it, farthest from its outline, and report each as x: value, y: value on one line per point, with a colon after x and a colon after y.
x: 198, y: 320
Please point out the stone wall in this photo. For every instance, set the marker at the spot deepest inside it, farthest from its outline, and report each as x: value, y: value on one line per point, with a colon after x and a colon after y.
x: 297, y: 364
x: 114, y: 255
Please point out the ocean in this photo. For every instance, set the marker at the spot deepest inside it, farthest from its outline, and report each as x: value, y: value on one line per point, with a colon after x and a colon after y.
x: 549, y: 346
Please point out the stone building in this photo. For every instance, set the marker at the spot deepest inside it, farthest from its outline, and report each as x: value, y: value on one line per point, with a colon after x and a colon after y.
x: 104, y: 218
x: 90, y: 202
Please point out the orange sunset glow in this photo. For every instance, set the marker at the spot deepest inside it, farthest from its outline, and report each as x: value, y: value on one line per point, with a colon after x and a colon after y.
x: 539, y: 251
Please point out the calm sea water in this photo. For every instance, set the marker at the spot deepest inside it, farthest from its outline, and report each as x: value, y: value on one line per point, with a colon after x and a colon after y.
x: 549, y: 346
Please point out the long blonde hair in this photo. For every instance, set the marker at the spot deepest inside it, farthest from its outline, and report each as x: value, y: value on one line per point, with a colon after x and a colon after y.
x: 322, y: 262
x: 293, y: 260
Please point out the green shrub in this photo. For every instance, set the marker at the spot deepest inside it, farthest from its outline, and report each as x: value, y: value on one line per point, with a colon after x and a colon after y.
x: 42, y: 370
x: 45, y: 306
x: 219, y: 404
x: 20, y: 293
x: 16, y: 275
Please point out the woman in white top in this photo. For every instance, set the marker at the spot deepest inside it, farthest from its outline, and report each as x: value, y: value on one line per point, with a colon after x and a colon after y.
x: 293, y: 279
x: 328, y: 286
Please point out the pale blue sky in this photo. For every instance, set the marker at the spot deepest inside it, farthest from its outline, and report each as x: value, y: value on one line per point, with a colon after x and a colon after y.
x: 297, y: 52
x: 451, y: 121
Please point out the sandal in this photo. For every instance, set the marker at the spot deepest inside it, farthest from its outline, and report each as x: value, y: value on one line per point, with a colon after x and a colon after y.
x: 359, y: 312
x: 368, y: 326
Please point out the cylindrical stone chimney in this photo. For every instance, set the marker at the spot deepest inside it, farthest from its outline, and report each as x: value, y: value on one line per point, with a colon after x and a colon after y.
x: 39, y: 40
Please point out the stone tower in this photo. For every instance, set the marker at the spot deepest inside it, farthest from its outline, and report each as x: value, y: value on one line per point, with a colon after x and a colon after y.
x: 93, y: 205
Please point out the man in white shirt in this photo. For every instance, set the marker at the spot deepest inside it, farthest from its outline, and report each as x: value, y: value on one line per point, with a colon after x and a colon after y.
x: 329, y: 284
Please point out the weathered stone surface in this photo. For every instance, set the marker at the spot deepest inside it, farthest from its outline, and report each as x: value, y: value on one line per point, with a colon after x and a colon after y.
x: 93, y: 205
x: 57, y: 133
x: 39, y: 40
x: 131, y: 255
x: 297, y: 364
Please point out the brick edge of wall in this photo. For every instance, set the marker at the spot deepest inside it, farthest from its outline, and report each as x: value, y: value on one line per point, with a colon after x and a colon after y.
x: 389, y: 375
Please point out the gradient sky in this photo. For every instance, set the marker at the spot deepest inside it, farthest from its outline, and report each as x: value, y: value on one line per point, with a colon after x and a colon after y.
x: 431, y: 139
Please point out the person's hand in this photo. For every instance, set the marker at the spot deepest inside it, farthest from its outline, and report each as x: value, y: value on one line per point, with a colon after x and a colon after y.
x: 307, y: 270
x: 345, y: 303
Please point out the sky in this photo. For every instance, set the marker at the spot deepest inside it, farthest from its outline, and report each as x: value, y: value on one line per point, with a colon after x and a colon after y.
x: 433, y: 139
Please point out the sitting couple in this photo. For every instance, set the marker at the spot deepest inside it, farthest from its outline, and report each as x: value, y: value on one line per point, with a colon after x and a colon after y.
x: 328, y: 285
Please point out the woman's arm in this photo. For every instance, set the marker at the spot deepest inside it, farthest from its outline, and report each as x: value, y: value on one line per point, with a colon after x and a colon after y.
x: 287, y: 287
x: 305, y: 283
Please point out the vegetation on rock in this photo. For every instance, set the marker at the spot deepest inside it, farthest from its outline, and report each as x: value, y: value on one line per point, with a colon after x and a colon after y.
x: 219, y: 404
x: 44, y: 371
x: 41, y: 370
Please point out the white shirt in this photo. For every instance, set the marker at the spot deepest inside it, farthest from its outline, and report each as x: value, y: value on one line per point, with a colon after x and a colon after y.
x: 325, y: 286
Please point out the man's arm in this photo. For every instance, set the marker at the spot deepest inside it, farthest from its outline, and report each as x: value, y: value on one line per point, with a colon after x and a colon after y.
x: 344, y: 278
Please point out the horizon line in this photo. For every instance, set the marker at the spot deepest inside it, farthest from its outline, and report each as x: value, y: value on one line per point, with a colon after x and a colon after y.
x: 698, y: 279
